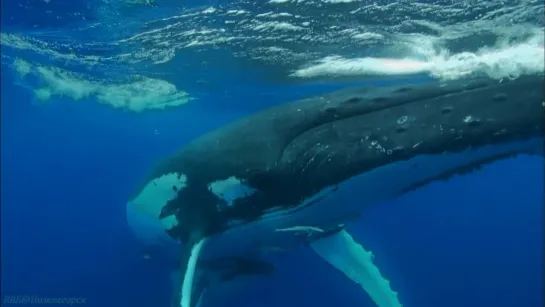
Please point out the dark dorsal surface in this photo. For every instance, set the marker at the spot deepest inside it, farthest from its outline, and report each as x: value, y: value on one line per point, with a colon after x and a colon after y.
x: 289, y: 152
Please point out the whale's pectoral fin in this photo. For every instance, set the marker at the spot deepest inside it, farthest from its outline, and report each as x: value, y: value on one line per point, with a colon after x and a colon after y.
x: 348, y: 256
x: 188, y: 295
x: 197, y: 293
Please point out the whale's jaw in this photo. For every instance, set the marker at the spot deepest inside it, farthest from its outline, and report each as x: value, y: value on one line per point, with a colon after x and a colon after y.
x: 332, y: 207
x: 344, y: 202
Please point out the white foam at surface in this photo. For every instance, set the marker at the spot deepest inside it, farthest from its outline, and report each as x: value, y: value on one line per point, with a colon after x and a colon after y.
x: 338, y: 66
x: 510, y: 62
x: 139, y: 2
x: 276, y: 25
x: 22, y: 68
x: 340, y: 1
x: 138, y: 94
x: 40, y: 47
x: 507, y: 61
x: 446, y: 40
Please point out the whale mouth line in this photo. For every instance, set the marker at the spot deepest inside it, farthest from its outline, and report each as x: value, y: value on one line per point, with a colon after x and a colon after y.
x: 474, y: 166
x: 321, y: 211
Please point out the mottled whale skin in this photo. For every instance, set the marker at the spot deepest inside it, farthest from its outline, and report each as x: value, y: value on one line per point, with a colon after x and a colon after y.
x: 299, y: 163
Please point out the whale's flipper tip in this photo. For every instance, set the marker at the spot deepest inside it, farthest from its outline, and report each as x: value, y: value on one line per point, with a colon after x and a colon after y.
x: 348, y: 256
x: 189, y: 272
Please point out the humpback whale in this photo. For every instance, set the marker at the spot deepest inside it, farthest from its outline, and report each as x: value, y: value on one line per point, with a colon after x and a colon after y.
x: 295, y: 174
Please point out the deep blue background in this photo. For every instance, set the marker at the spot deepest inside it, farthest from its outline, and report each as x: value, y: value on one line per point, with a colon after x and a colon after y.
x: 68, y: 168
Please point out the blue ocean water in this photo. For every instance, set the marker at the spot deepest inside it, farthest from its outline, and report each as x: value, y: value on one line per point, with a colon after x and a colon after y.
x: 68, y: 167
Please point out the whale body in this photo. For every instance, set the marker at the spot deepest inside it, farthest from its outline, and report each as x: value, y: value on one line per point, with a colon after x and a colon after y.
x: 297, y: 173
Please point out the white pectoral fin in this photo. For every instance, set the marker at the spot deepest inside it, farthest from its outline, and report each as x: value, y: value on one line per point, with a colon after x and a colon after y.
x: 348, y: 256
x: 189, y: 274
